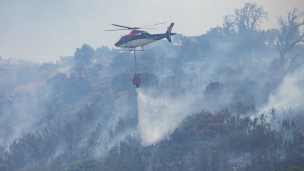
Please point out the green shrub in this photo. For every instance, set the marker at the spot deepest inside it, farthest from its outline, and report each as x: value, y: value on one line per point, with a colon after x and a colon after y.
x: 3, y: 167
x: 87, y: 165
x: 288, y: 167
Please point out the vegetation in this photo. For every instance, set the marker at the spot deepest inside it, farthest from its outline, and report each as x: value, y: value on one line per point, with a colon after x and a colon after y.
x: 84, y: 54
x: 289, y: 34
x: 88, y: 165
x: 205, y: 141
x: 288, y: 167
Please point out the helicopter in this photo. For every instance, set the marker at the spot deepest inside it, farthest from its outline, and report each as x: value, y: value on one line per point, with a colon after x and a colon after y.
x: 138, y: 38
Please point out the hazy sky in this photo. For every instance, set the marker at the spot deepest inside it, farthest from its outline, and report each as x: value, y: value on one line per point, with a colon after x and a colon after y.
x: 40, y: 30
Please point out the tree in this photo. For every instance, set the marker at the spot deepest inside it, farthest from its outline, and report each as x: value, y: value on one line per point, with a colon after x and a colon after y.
x: 123, y: 60
x: 84, y: 54
x: 204, y: 45
x: 178, y: 38
x: 247, y: 21
x: 215, y: 35
x: 228, y: 28
x: 249, y: 18
x: 271, y: 36
x: 289, y: 34
x: 102, y: 53
x: 188, y: 48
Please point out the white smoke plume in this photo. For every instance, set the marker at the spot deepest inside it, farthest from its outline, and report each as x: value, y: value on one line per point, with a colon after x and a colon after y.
x: 289, y: 94
x: 159, y: 113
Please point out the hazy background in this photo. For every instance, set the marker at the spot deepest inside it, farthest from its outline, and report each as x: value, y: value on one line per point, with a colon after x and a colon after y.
x: 41, y: 30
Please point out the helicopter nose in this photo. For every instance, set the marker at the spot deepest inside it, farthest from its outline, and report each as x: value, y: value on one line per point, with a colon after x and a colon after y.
x: 116, y: 44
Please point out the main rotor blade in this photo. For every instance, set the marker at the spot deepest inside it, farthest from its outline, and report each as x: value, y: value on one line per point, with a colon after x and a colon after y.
x: 154, y: 24
x: 147, y: 28
x: 116, y: 29
x: 125, y: 27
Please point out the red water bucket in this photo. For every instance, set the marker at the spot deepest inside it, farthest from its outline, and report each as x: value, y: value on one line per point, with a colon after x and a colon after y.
x: 136, y: 80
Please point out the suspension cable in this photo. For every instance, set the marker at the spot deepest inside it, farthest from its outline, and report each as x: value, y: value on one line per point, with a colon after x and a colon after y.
x: 135, y: 62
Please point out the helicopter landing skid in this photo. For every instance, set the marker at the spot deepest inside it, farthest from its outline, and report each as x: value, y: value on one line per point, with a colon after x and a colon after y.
x: 132, y: 49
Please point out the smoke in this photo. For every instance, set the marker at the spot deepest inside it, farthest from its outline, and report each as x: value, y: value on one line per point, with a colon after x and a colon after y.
x: 160, y: 112
x: 289, y: 94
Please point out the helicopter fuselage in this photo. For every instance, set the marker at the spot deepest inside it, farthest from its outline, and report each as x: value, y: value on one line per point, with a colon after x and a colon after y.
x: 138, y: 38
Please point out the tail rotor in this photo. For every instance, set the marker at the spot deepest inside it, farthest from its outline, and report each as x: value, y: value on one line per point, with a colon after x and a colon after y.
x: 168, y: 33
